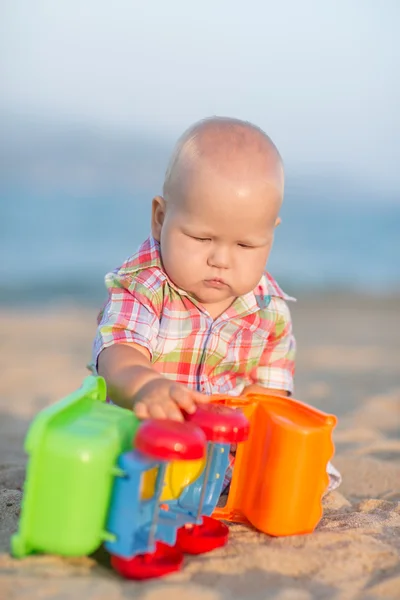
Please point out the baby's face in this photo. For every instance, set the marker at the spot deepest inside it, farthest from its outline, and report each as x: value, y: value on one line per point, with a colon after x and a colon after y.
x: 216, y: 237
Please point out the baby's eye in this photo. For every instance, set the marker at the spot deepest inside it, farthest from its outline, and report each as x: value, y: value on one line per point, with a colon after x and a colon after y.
x: 245, y: 246
x: 199, y: 239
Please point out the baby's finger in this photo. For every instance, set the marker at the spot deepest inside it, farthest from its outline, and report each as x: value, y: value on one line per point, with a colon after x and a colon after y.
x: 157, y: 411
x: 173, y: 411
x: 140, y: 410
x: 200, y: 398
x: 183, y: 397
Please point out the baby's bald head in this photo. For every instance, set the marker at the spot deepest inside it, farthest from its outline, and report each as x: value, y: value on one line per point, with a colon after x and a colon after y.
x: 222, y: 195
x: 233, y: 151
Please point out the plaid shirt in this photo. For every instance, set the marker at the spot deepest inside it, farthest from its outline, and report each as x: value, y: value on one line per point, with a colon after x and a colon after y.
x: 251, y: 342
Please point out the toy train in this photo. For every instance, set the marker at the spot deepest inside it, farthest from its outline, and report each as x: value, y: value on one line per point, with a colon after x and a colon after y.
x: 149, y: 490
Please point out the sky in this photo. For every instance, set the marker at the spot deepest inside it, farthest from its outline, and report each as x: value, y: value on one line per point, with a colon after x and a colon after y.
x: 321, y: 77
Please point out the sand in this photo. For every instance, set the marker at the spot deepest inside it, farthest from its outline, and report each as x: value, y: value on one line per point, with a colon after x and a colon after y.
x: 348, y: 363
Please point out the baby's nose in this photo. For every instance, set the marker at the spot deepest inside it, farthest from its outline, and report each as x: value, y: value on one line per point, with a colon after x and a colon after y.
x: 219, y: 257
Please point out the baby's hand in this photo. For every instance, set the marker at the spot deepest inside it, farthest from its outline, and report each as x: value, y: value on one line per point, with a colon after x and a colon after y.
x: 164, y: 399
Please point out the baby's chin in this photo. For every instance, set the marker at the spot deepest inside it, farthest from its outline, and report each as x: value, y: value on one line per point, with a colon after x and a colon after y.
x: 214, y: 295
x: 208, y: 294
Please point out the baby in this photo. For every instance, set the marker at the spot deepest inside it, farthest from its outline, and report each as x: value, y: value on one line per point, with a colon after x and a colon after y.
x: 193, y: 312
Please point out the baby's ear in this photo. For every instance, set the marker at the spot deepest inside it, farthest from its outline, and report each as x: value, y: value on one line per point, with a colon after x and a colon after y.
x: 157, y: 216
x: 278, y: 221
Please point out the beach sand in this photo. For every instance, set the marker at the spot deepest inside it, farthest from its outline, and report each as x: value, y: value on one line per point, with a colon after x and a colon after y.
x: 348, y: 364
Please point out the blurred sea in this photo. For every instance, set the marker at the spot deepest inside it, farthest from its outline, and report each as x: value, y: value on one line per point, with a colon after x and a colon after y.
x: 73, y: 205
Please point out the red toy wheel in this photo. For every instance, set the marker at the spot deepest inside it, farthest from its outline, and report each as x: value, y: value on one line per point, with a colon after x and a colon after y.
x: 203, y: 538
x: 220, y: 423
x: 164, y: 560
x: 170, y: 440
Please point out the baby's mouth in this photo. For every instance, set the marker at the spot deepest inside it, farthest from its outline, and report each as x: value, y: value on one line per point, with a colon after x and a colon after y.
x: 215, y: 282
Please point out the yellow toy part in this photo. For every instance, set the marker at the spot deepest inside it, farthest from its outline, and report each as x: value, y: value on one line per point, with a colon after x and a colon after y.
x: 179, y: 474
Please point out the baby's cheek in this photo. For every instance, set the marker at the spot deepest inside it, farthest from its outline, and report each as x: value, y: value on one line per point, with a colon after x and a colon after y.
x: 250, y: 276
x: 194, y: 265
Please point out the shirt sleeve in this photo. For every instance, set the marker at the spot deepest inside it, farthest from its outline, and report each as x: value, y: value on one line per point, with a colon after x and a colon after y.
x: 131, y: 315
x: 277, y: 364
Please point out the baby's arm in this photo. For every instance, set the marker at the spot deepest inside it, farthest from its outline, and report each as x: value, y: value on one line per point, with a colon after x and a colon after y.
x: 125, y: 340
x: 132, y: 382
x: 275, y: 371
